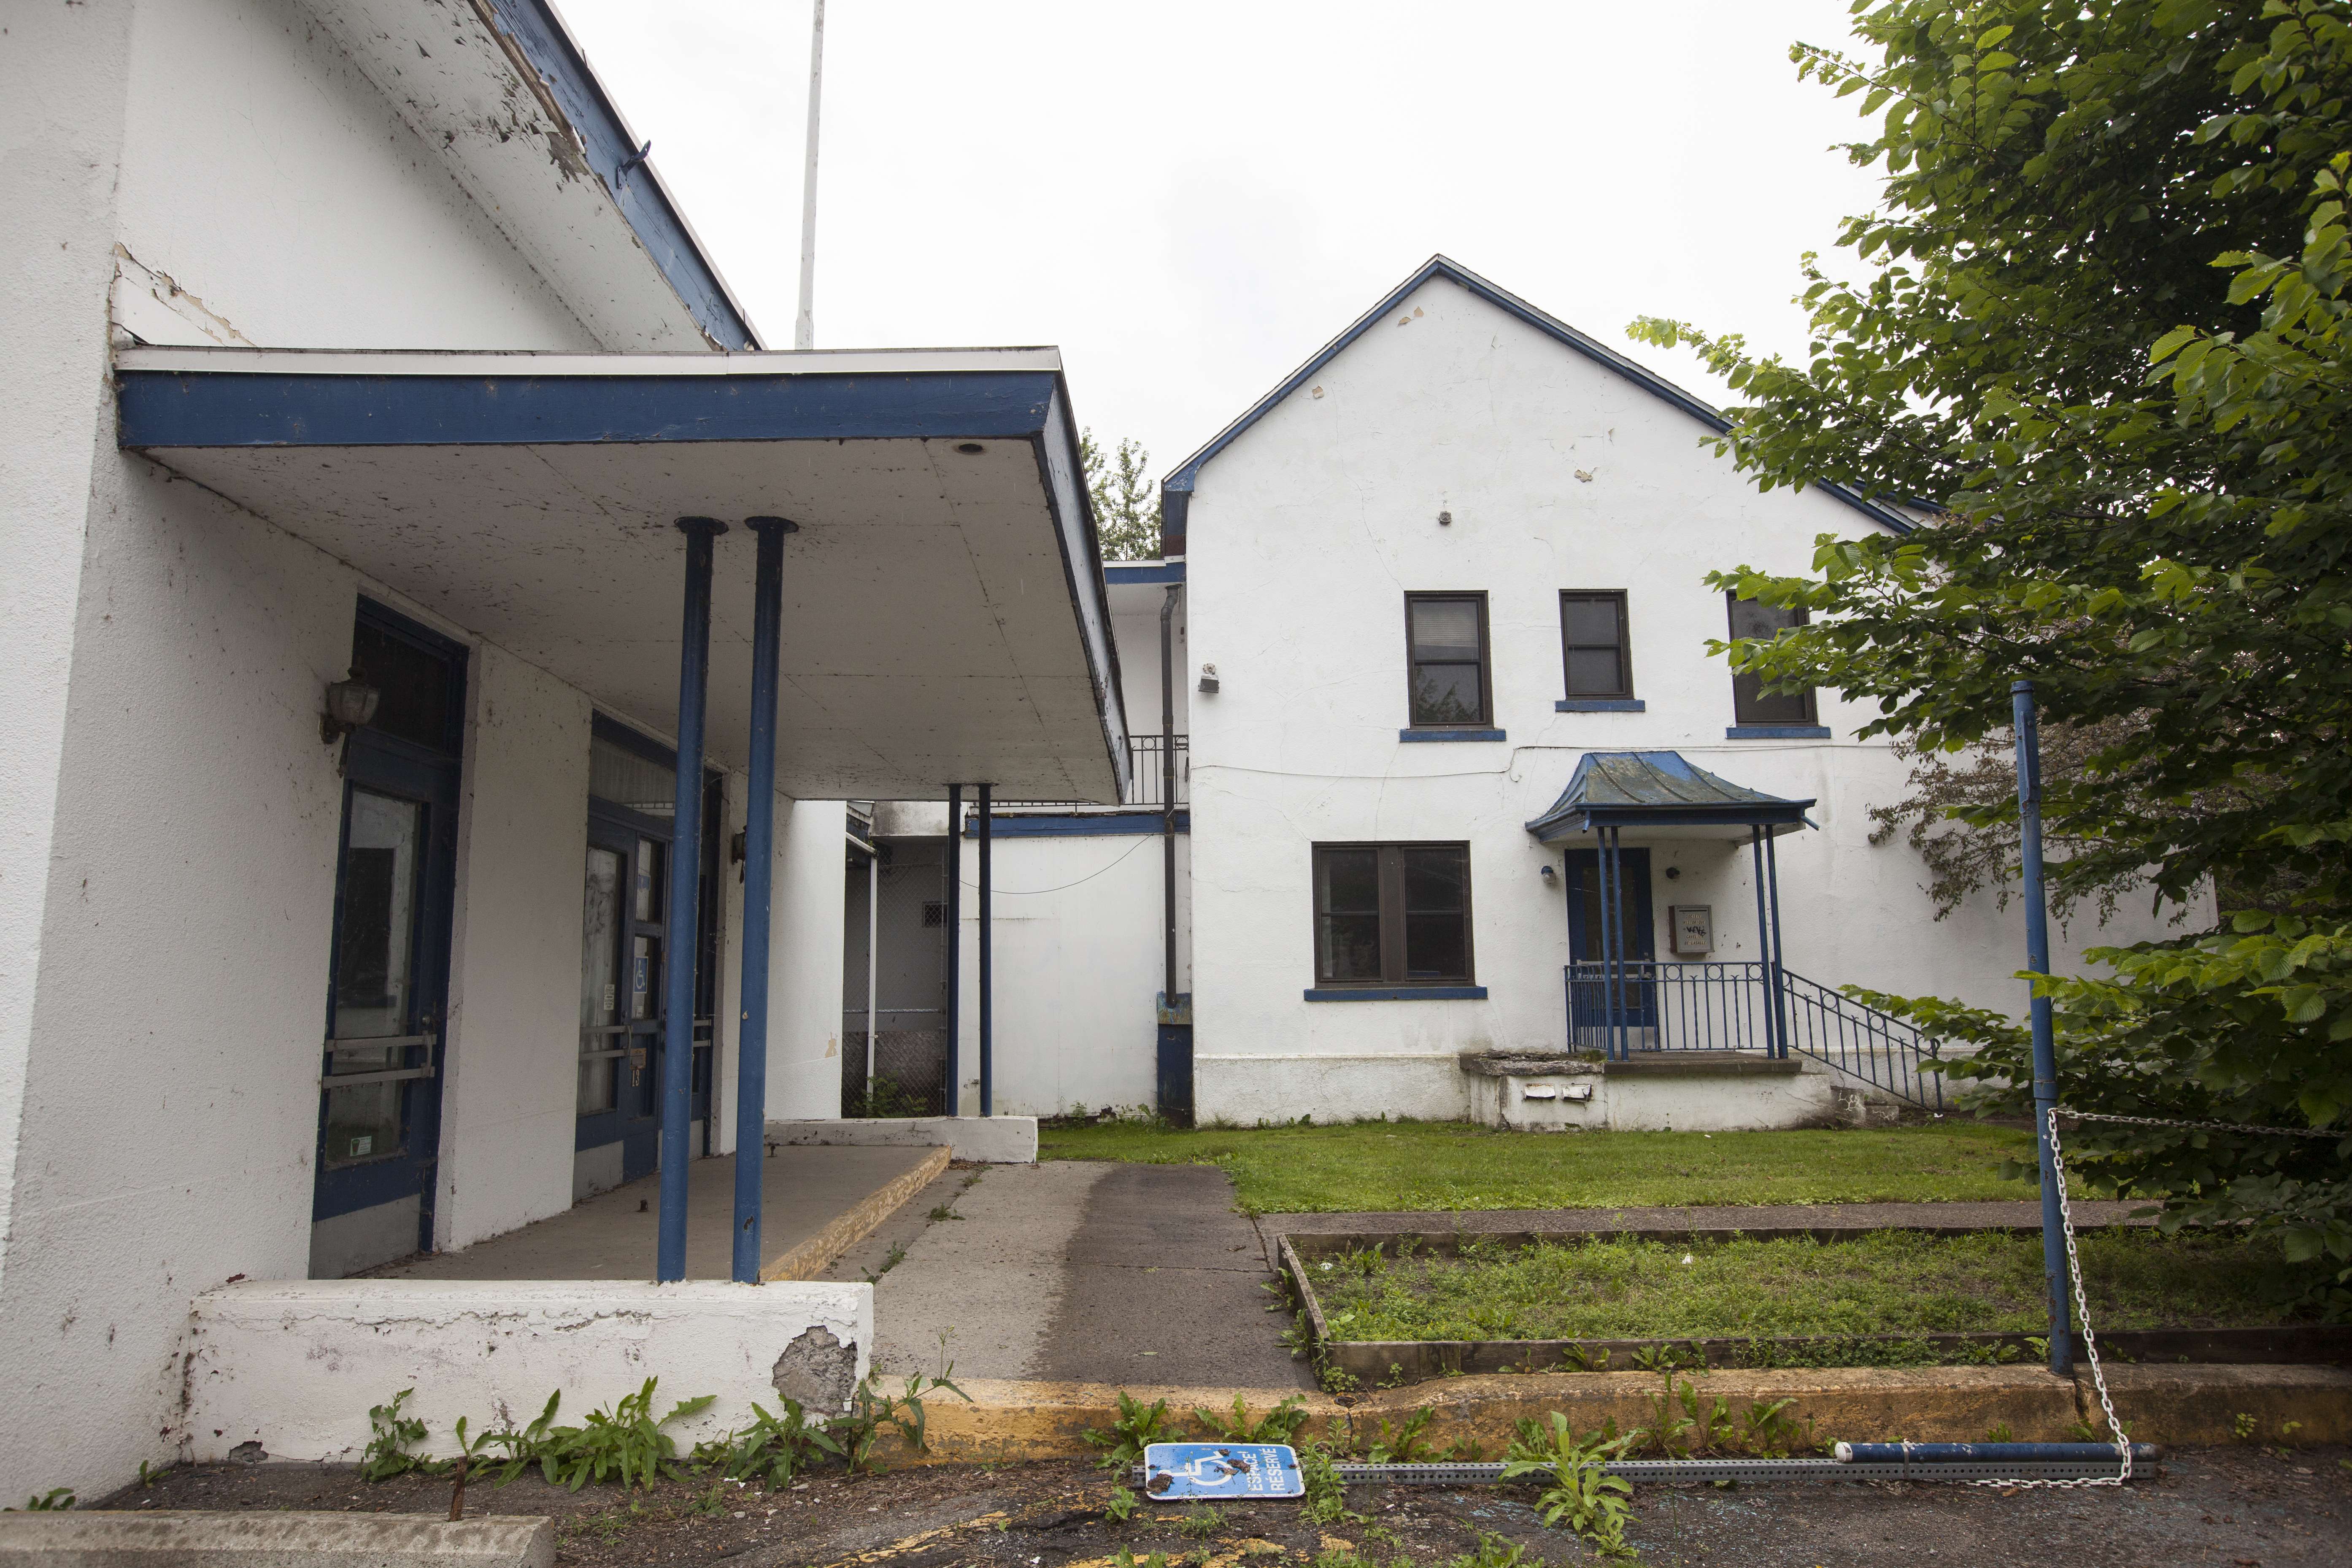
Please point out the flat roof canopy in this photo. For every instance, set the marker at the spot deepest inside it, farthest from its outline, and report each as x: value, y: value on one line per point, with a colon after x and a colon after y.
x: 1661, y: 795
x: 945, y: 616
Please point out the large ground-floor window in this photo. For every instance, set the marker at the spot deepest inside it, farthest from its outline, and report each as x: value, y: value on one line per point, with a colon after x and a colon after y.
x: 1392, y: 914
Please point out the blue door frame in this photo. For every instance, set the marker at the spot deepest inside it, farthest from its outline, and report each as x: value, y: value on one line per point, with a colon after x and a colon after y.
x: 428, y: 775
x: 1638, y: 1008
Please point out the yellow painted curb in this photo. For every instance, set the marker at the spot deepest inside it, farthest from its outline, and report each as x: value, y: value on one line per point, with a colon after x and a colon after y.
x: 1009, y: 1421
x: 813, y: 1256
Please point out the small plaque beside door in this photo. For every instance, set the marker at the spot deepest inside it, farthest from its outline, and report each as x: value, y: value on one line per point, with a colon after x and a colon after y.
x: 1693, y: 928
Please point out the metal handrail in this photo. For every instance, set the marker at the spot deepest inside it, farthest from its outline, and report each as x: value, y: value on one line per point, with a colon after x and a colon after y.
x: 1726, y: 1005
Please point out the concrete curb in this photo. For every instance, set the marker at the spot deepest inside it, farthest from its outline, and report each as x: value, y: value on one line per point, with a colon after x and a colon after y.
x: 1009, y: 1421
x: 274, y: 1540
x: 812, y: 1257
x: 989, y: 1140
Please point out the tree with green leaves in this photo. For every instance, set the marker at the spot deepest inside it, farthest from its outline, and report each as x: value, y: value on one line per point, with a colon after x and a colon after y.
x: 2100, y: 330
x: 1127, y: 503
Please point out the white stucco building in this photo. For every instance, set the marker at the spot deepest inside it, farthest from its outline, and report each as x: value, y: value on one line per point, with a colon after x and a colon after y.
x: 361, y: 375
x: 1457, y: 554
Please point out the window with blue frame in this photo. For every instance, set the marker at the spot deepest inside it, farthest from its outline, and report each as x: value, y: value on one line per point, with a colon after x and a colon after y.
x: 1750, y: 703
x: 1392, y: 914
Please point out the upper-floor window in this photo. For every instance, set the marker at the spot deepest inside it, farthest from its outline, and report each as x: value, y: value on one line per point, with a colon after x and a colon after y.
x: 1446, y: 636
x: 1595, y: 644
x: 1392, y: 914
x: 1750, y: 704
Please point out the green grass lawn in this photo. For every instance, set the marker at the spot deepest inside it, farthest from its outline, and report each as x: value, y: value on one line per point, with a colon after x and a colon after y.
x: 1453, y: 1166
x: 1888, y: 1282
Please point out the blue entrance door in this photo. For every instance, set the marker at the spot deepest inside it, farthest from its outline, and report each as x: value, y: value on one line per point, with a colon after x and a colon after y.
x: 387, y: 984
x: 1593, y: 1005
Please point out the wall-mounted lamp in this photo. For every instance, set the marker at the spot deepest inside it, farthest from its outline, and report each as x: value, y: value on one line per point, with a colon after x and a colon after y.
x: 350, y: 704
x: 1673, y: 873
x: 1550, y: 876
x: 1445, y: 520
x: 1209, y: 678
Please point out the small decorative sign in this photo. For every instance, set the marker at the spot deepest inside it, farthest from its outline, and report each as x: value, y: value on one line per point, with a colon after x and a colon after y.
x: 1693, y: 926
x: 1175, y: 1472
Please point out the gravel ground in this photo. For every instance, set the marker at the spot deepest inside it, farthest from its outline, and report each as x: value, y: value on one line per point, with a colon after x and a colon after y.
x: 2236, y: 1508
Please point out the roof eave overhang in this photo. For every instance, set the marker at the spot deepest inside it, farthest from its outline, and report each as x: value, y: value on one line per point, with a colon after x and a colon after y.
x: 178, y: 400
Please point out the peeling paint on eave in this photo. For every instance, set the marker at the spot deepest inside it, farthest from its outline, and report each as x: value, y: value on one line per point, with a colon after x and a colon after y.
x: 566, y: 148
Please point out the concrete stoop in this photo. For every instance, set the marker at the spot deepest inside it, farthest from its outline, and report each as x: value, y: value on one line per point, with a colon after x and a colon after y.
x: 97, y: 1540
x: 2176, y: 1405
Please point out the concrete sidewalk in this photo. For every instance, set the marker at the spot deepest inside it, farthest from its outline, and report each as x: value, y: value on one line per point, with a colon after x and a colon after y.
x: 1077, y: 1270
x: 807, y: 1196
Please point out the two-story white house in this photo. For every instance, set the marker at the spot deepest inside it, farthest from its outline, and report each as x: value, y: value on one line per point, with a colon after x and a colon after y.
x: 1460, y: 777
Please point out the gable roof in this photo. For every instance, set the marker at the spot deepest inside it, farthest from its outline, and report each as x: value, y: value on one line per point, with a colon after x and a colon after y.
x: 1176, y: 489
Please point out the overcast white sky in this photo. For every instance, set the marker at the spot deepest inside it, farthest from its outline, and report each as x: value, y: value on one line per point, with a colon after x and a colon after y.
x: 1188, y: 198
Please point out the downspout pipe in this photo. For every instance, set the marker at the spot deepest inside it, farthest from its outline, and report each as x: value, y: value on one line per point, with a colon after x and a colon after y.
x: 1168, y: 788
x: 759, y: 896
x: 684, y: 896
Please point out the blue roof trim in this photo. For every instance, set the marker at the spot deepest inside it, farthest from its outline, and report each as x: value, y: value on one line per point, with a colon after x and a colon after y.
x: 231, y: 408
x: 533, y: 27
x: 1176, y: 490
x: 1145, y: 572
x: 1103, y: 824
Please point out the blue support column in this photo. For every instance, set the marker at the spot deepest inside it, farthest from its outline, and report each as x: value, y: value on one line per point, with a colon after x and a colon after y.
x: 1773, y: 1045
x: 987, y: 973
x: 1613, y: 1020
x: 2045, y: 1049
x: 759, y: 890
x: 684, y: 896
x: 953, y: 920
x: 1779, y: 974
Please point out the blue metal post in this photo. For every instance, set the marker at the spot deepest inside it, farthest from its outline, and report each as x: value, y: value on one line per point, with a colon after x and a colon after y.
x: 1779, y: 972
x: 1612, y: 922
x: 759, y: 881
x: 987, y: 973
x: 684, y: 896
x: 953, y: 1104
x: 2046, y: 1050
x: 1763, y: 943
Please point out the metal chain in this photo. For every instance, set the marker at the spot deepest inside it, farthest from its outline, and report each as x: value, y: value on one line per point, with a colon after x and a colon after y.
x: 2090, y: 1339
x: 2210, y: 1126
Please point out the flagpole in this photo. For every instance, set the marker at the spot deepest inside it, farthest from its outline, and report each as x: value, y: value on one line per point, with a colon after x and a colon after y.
x: 804, y: 328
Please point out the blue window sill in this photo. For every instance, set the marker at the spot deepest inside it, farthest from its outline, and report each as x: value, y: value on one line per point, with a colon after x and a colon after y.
x: 1399, y: 994
x: 1776, y: 732
x: 1450, y: 735
x: 1601, y: 705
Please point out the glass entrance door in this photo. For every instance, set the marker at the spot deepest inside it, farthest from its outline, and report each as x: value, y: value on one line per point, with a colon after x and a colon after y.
x: 1635, y: 1003
x: 379, y: 1075
x: 621, y: 936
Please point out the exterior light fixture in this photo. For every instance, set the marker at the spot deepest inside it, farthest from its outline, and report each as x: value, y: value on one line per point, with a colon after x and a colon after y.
x: 1445, y: 520
x: 971, y: 449
x: 1673, y: 873
x: 1550, y: 876
x: 1209, y: 678
x: 350, y: 703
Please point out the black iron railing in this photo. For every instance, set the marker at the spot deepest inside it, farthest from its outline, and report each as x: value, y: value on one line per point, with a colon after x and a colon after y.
x: 1646, y: 1005
x: 1144, y: 780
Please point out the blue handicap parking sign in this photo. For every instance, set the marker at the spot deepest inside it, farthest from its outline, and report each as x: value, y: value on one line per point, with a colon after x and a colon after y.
x: 1174, y: 1471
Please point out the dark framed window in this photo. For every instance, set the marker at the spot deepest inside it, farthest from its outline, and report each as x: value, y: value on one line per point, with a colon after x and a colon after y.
x: 1750, y: 704
x: 1595, y: 650
x: 1446, y: 650
x: 1392, y: 914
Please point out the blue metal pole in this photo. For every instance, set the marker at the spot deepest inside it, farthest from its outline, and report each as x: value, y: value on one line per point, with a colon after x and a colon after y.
x: 1613, y: 924
x: 684, y: 896
x: 953, y: 1104
x: 2045, y: 1049
x: 1763, y: 943
x: 759, y: 887
x: 1779, y: 974
x: 987, y: 973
